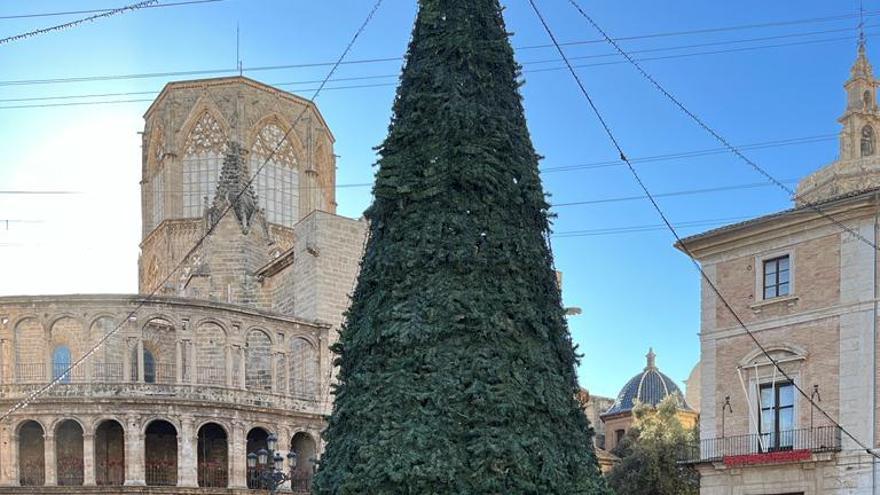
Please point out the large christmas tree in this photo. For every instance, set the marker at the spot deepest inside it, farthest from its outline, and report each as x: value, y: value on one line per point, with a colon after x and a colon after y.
x: 457, y: 370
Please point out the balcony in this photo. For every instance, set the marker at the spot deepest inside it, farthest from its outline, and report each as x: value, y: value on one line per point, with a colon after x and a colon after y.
x: 741, y: 450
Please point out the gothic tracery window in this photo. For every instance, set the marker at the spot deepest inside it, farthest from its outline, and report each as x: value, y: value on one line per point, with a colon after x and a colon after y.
x: 277, y: 183
x: 868, y: 145
x: 203, y: 157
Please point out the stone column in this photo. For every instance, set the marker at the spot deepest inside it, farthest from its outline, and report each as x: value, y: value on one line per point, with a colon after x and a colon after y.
x: 5, y: 368
x: 284, y: 438
x: 242, y: 369
x: 178, y: 362
x: 192, y: 362
x: 134, y: 453
x: 51, y: 467
x: 228, y: 359
x: 126, y: 361
x: 238, y: 456
x: 140, y: 360
x: 323, y: 380
x: 8, y: 456
x: 187, y: 475
x: 273, y: 367
x: 89, y: 459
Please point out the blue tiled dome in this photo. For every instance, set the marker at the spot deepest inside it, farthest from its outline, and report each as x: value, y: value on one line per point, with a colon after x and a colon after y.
x: 648, y: 387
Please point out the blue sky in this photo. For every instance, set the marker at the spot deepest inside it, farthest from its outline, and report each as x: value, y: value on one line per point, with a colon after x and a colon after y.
x: 635, y: 290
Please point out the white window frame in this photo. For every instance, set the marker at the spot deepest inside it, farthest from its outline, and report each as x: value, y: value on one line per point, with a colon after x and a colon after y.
x: 759, y: 274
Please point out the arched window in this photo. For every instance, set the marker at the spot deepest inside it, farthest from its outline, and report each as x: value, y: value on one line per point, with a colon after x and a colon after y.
x: 108, y: 361
x: 61, y: 363
x: 110, y: 454
x: 258, y: 369
x: 149, y: 367
x: 31, y: 455
x: 202, y: 159
x: 303, y: 369
x: 257, y: 440
x: 160, y: 454
x: 304, y: 447
x: 868, y: 146
x: 30, y: 352
x: 210, y: 355
x: 277, y: 182
x: 213, y: 457
x: 69, y: 453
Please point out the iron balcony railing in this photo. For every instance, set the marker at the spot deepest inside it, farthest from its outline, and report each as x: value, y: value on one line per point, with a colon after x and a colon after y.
x: 108, y: 372
x: 213, y: 476
x: 64, y: 374
x: 161, y: 373
x: 30, y: 373
x: 110, y: 473
x: 301, y: 484
x: 160, y: 473
x: 815, y: 440
x: 207, y: 375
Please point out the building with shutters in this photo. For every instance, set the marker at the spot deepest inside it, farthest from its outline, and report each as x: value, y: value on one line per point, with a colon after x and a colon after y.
x: 228, y: 339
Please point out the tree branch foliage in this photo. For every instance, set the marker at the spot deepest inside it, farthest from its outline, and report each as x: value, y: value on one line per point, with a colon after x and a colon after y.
x: 457, y: 369
x: 649, y: 454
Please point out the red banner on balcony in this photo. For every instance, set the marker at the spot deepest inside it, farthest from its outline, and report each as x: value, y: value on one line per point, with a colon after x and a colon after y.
x: 768, y: 458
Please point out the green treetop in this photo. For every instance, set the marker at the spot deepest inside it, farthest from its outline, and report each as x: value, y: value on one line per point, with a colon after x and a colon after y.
x: 456, y: 367
x: 649, y: 454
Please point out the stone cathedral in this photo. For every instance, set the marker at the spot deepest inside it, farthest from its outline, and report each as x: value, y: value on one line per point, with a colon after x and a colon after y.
x: 245, y: 272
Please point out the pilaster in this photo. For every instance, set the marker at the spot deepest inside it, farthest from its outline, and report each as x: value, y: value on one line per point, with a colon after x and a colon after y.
x: 89, y: 459
x: 51, y: 466
x: 134, y: 453
x: 187, y: 473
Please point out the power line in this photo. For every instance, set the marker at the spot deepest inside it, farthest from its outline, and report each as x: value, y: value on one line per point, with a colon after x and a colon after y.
x: 810, y: 20
x: 584, y: 166
x: 221, y: 71
x: 638, y: 229
x: 671, y: 227
x: 715, y: 134
x: 230, y: 204
x: 97, y: 11
x: 694, y: 154
x: 22, y: 192
x: 687, y: 192
x: 364, y: 86
x: 67, y: 25
x: 704, y: 45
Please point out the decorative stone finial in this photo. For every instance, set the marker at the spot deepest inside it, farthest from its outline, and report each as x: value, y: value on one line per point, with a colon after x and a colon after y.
x: 652, y: 365
x: 234, y: 189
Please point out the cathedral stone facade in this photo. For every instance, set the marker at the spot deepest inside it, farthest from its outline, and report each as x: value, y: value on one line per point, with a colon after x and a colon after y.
x: 245, y: 272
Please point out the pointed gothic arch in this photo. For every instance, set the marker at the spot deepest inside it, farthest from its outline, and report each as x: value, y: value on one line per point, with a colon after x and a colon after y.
x: 204, y: 135
x: 276, y: 159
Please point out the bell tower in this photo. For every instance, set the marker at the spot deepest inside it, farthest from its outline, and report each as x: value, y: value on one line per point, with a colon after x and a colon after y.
x: 857, y: 167
x: 861, y: 120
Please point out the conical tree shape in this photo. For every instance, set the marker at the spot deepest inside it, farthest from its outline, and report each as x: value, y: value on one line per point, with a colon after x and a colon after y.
x: 457, y: 370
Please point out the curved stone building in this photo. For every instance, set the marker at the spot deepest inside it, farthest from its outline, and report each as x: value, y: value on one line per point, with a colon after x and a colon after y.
x: 650, y: 387
x: 228, y: 341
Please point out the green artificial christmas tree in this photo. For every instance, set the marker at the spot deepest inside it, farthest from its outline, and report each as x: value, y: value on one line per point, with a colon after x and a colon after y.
x: 457, y: 370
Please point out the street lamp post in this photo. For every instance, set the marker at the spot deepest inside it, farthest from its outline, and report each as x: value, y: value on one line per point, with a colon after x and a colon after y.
x: 271, y: 476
